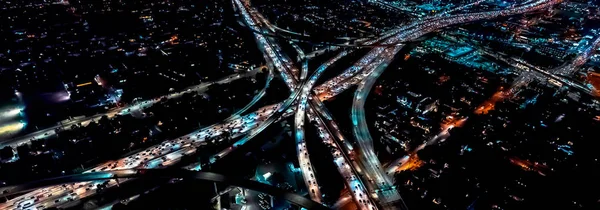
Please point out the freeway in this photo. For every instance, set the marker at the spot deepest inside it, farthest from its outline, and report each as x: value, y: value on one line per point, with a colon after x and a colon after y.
x: 288, y: 71
x: 48, y: 132
x: 165, y: 173
x: 351, y: 76
x: 170, y: 151
x: 158, y: 156
x: 378, y: 58
x: 450, y: 11
x: 531, y: 73
x: 301, y: 55
x: 582, y: 58
x: 256, y: 97
x: 357, y: 189
x: 303, y: 157
x: 285, y: 68
x: 528, y: 74
x: 302, y: 152
x: 316, y: 111
x: 299, y: 128
x: 380, y: 181
x: 161, y: 156
x: 274, y: 52
x: 318, y: 52
x: 299, y: 118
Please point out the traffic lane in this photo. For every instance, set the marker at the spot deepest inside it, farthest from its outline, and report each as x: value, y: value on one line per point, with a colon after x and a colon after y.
x: 85, y: 189
x: 42, y: 134
x: 136, y: 159
x: 351, y: 180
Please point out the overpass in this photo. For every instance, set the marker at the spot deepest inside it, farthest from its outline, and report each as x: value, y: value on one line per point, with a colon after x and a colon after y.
x: 165, y: 173
x: 378, y: 57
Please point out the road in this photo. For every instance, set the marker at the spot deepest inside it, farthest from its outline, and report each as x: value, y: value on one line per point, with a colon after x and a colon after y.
x: 302, y: 152
x: 582, y: 58
x: 412, y: 31
x: 528, y: 74
x: 379, y: 180
x: 303, y: 157
x: 300, y: 112
x: 158, y: 156
x: 376, y: 61
x: 287, y: 70
x: 404, y: 162
x: 169, y: 152
x: 343, y: 164
x: 295, y: 199
x: 48, y: 132
x: 273, y: 51
x: 290, y: 75
x: 382, y: 55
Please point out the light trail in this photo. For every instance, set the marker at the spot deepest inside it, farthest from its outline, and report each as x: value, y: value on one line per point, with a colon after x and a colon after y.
x: 384, y: 56
x: 379, y: 180
x: 49, y: 132
x: 165, y: 154
x: 411, y: 32
x: 255, y: 122
x: 355, y: 185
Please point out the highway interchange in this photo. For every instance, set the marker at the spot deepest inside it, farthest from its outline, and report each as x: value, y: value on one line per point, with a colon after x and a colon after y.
x: 370, y: 186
